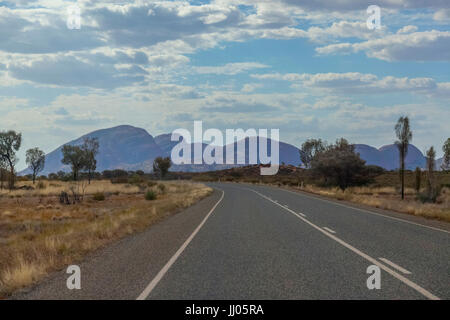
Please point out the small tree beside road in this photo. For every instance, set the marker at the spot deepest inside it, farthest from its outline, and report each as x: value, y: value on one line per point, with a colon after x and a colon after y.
x: 161, y: 166
x: 404, y: 135
x: 35, y: 159
x: 10, y: 142
x: 90, y: 148
x: 75, y: 157
x: 309, y: 149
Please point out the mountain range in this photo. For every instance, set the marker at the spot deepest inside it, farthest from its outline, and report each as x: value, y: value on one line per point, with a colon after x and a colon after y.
x: 130, y: 148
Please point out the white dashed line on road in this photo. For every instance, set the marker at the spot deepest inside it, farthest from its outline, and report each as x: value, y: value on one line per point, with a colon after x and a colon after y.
x: 329, y: 230
x: 396, y: 266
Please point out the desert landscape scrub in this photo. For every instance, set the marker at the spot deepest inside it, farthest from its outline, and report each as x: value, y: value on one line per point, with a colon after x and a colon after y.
x: 388, y: 198
x: 39, y: 235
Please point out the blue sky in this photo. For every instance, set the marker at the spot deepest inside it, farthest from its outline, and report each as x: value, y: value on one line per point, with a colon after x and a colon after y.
x: 308, y: 68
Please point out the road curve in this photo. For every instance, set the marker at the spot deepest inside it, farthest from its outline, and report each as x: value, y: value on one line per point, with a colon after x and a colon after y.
x: 259, y: 242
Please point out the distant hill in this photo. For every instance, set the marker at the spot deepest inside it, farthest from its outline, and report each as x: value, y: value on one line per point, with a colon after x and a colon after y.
x: 130, y: 148
x: 388, y: 156
x: 120, y: 147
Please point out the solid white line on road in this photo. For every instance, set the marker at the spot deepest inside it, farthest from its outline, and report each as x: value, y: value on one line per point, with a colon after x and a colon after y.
x: 174, y: 258
x: 303, y: 215
x: 364, y: 210
x: 393, y: 273
x: 329, y: 230
x: 396, y: 266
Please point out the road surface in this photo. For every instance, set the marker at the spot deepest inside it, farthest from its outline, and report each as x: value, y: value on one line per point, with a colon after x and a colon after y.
x: 260, y: 242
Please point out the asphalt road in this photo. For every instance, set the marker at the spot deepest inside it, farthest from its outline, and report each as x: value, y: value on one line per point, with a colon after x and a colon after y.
x: 259, y: 242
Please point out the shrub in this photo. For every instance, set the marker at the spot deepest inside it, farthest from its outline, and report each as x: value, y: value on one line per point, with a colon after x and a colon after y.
x: 162, y: 188
x: 151, y: 184
x: 135, y: 179
x: 150, y: 195
x: 119, y: 180
x: 99, y: 196
x: 41, y: 185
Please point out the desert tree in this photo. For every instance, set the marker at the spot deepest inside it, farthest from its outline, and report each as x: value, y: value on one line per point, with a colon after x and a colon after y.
x: 404, y: 136
x: 90, y: 148
x: 75, y: 157
x: 339, y: 165
x: 10, y: 142
x: 35, y: 159
x: 431, y: 184
x: 309, y: 149
x: 446, y: 160
x: 161, y: 166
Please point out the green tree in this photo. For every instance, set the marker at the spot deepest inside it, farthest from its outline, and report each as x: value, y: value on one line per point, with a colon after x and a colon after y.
x: 446, y: 160
x: 309, y: 149
x: 161, y: 166
x: 339, y: 165
x: 404, y: 136
x: 35, y: 159
x: 90, y: 148
x: 10, y: 142
x: 75, y: 157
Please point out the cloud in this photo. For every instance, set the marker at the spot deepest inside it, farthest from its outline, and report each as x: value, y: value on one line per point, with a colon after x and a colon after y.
x: 357, y: 83
x: 416, y: 46
x: 241, y: 108
x: 407, y: 29
x: 229, y: 68
x: 250, y: 87
x: 72, y: 72
x: 442, y: 15
x: 353, y: 5
x: 344, y: 29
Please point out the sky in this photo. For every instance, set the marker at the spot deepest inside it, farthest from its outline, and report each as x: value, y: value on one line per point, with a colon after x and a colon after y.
x: 312, y: 69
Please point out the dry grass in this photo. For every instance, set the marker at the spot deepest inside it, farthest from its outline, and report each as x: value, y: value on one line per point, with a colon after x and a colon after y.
x: 388, y: 198
x: 53, y: 188
x: 38, y: 235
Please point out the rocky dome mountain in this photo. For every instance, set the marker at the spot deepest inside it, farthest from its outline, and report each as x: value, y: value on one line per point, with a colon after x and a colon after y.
x: 130, y: 148
x: 120, y: 147
x: 388, y: 156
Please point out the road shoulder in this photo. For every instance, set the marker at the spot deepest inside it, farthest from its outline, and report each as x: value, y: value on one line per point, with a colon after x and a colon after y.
x: 123, y: 269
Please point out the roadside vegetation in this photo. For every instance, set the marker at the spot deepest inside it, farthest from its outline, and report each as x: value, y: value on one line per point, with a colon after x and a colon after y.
x: 48, y: 222
x: 39, y: 234
x: 336, y: 171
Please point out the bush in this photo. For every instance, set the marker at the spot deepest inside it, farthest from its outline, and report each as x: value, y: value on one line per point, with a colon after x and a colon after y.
x: 150, y: 195
x: 135, y: 179
x: 119, y: 180
x: 430, y: 195
x: 162, y: 188
x: 99, y: 196
x: 41, y: 185
x: 151, y: 184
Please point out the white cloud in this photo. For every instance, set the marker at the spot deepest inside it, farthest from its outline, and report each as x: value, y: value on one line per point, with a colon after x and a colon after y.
x: 417, y: 46
x: 357, y: 83
x: 442, y: 15
x: 229, y: 68
x: 407, y: 29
